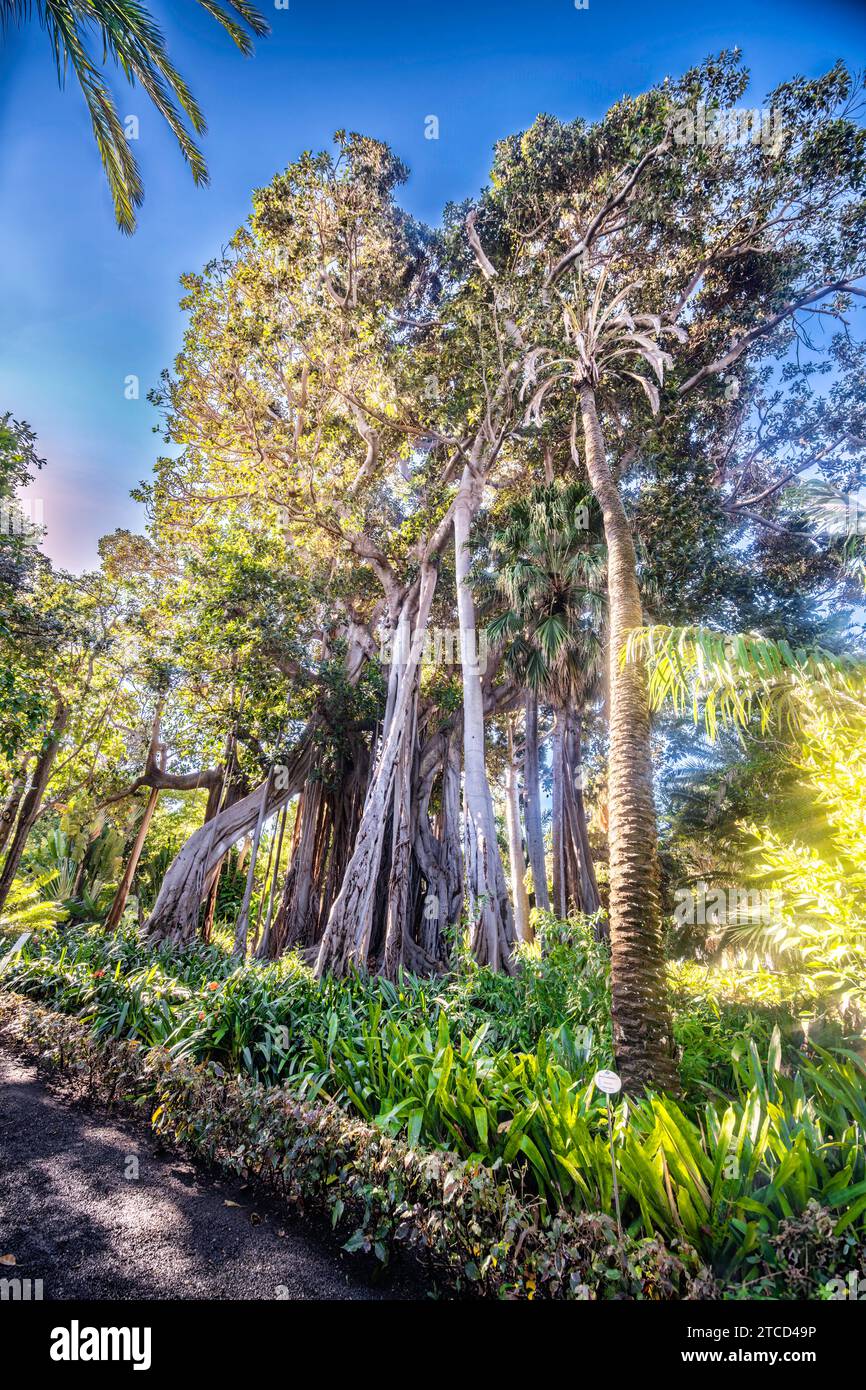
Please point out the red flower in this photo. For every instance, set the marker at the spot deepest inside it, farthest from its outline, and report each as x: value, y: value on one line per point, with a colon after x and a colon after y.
x: 98, y: 974
x: 214, y: 984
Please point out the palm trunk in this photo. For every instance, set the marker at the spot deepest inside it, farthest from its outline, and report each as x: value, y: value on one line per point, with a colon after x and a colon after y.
x: 534, y: 834
x: 519, y: 895
x: 642, y: 1034
x: 32, y: 799
x: 491, y: 920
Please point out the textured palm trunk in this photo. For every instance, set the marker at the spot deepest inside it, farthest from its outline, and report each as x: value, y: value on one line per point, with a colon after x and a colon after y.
x: 534, y: 833
x: 517, y: 862
x: 641, y: 1019
x: 490, y: 917
x: 31, y: 802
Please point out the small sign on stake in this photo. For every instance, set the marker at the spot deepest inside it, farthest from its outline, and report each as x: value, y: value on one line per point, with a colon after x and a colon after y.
x: 609, y: 1084
x: 19, y: 945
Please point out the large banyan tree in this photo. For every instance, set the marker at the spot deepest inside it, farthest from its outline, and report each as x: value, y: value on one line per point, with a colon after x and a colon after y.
x: 354, y: 388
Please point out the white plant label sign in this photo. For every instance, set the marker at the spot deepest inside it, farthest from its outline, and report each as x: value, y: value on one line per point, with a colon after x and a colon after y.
x: 608, y: 1082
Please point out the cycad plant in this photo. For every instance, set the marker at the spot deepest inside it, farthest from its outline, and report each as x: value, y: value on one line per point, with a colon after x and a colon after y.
x: 127, y: 33
x: 601, y: 346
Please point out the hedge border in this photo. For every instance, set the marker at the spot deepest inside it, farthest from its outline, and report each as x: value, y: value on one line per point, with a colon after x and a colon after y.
x: 464, y: 1225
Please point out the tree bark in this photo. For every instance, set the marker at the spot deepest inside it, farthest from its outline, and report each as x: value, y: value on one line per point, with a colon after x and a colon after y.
x: 400, y: 875
x: 557, y: 835
x: 346, y: 940
x: 519, y: 895
x: 242, y: 924
x: 115, y: 912
x: 491, y: 921
x: 9, y: 814
x: 534, y: 834
x: 579, y: 886
x: 262, y: 946
x: 32, y: 799
x: 296, y: 922
x: 191, y: 874
x: 642, y: 1033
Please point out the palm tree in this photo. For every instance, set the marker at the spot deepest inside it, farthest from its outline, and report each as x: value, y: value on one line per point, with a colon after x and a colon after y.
x: 602, y: 344
x: 126, y: 32
x: 550, y: 566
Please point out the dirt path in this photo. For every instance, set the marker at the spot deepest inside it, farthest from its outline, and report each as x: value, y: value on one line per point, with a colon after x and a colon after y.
x: 75, y: 1215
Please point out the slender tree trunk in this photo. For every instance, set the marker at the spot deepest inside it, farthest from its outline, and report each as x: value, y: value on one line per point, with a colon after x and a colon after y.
x: 264, y: 942
x: 491, y: 920
x: 560, y: 892
x: 115, y: 912
x: 296, y: 922
x: 32, y: 799
x: 9, y: 814
x: 242, y: 925
x: 534, y: 834
x: 641, y: 1018
x: 586, y: 885
x: 519, y: 895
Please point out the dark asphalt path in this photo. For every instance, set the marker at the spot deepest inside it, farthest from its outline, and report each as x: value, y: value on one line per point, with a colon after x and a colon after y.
x: 73, y: 1218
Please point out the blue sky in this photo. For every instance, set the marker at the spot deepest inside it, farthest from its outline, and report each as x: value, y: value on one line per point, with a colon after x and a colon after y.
x: 84, y: 307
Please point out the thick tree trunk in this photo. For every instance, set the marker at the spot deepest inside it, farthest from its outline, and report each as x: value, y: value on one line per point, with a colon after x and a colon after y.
x: 519, y: 895
x: 348, y: 807
x: 32, y: 799
x: 115, y: 912
x: 397, y: 925
x: 491, y: 922
x: 534, y: 834
x: 438, y: 854
x: 641, y: 1018
x: 346, y: 940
